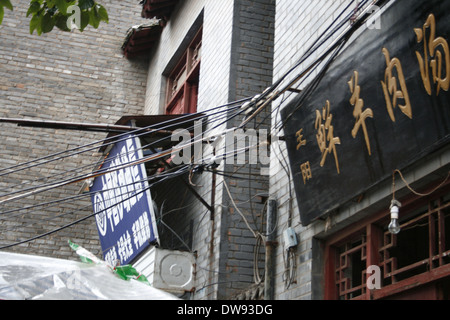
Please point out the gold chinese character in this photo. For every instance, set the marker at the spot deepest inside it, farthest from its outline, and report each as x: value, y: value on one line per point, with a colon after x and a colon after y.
x: 439, y: 59
x: 358, y: 112
x: 390, y: 88
x: 325, y: 133
x: 306, y: 171
x: 301, y: 142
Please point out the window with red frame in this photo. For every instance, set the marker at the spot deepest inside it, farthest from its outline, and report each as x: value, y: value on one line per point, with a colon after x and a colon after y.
x: 182, y: 83
x: 414, y: 264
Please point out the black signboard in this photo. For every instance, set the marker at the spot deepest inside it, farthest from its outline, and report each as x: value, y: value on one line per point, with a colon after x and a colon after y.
x: 382, y: 105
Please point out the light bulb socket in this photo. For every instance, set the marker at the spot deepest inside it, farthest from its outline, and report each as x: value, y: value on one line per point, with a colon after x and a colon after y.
x: 394, y: 212
x: 395, y: 208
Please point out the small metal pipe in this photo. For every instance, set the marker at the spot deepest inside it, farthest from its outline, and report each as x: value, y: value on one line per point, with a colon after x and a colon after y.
x: 271, y: 244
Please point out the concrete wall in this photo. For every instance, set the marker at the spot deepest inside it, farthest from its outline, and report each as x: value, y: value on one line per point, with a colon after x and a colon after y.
x: 78, y: 77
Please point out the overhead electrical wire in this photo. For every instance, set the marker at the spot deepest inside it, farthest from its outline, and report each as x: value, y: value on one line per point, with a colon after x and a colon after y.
x: 139, y: 129
x: 111, y: 159
x: 112, y: 140
x: 30, y: 164
x: 46, y: 187
x: 190, y: 116
x: 342, y: 37
x: 34, y: 238
x: 17, y: 211
x: 75, y: 222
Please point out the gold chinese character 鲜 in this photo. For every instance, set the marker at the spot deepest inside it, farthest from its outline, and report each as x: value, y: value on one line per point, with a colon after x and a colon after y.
x: 325, y: 133
x: 300, y: 141
x: 306, y: 171
x: 358, y: 112
x: 440, y: 59
x: 391, y: 91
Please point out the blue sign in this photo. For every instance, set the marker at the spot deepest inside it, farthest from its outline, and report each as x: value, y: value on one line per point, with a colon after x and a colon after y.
x: 123, y: 205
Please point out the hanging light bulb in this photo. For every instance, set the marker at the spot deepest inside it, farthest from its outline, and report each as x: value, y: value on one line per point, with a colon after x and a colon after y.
x: 394, y: 226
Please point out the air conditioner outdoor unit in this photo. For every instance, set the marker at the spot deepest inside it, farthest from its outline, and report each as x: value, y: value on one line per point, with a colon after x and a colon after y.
x: 168, y: 270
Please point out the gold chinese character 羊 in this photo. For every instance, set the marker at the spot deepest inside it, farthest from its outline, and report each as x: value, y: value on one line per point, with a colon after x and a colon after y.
x: 358, y: 112
x: 306, y: 171
x: 440, y: 59
x: 390, y: 88
x: 325, y: 133
x: 300, y: 141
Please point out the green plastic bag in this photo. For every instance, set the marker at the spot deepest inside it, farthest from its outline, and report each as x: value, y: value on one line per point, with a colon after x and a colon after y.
x: 126, y: 272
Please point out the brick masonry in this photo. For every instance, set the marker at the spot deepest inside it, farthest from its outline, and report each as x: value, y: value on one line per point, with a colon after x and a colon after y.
x: 92, y: 82
x: 298, y: 25
x: 78, y: 77
x: 237, y: 55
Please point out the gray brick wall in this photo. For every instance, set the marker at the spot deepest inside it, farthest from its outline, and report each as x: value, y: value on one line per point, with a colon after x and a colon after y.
x: 298, y: 25
x: 79, y: 77
x: 237, y: 53
x: 251, y: 74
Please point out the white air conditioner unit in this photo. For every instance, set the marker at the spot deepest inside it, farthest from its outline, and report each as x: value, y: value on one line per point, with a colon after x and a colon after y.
x: 168, y: 270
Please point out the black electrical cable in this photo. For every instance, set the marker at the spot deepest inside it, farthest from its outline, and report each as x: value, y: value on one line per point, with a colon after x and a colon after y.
x: 311, y: 49
x: 80, y: 196
x: 316, y: 45
x: 304, y: 57
x: 309, y: 52
x: 61, y: 183
x: 90, y: 165
x: 77, y: 221
x: 236, y: 114
x: 112, y: 140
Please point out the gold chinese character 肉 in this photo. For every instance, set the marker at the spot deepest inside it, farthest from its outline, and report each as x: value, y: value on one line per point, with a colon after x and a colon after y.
x: 391, y: 91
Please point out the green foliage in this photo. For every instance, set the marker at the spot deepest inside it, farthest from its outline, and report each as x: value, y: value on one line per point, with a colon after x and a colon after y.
x: 63, y: 14
x: 4, y: 4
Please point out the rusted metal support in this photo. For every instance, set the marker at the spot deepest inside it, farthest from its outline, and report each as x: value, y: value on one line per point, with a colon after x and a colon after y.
x: 96, y: 127
x: 271, y: 234
x: 197, y: 195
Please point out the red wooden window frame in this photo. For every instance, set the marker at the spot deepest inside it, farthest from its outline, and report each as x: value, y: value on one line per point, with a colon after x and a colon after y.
x: 425, y: 223
x: 182, y: 83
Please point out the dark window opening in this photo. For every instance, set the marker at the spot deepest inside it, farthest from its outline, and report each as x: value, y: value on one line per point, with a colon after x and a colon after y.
x: 183, y: 80
x: 414, y: 263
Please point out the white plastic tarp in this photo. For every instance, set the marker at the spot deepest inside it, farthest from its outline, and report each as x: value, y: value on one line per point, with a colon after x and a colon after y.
x: 27, y: 277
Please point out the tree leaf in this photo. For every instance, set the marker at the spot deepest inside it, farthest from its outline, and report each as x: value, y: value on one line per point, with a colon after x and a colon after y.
x: 103, y: 13
x: 84, y: 20
x: 47, y: 23
x: 86, y: 4
x: 34, y: 8
x: 2, y: 13
x: 61, y: 21
x: 35, y: 23
x: 50, y: 4
x: 62, y: 6
x: 94, y: 18
x: 7, y: 4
